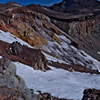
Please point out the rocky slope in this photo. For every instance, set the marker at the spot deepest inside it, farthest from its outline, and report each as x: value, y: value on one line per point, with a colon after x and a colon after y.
x: 82, y: 28
x: 54, y: 35
x: 17, y: 52
x: 75, y: 6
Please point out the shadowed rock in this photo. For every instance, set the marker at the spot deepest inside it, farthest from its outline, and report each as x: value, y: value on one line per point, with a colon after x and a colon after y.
x: 91, y: 94
x: 74, y: 5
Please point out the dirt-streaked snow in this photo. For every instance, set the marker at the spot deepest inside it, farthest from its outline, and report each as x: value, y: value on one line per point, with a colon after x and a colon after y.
x: 9, y: 38
x: 58, y: 82
x: 51, y: 58
x: 18, y: 5
x: 68, y: 53
x: 0, y: 57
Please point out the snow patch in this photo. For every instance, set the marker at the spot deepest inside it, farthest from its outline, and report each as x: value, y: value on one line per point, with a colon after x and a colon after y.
x: 69, y: 53
x: 9, y: 38
x: 48, y: 9
x: 60, y: 83
x: 99, y: 53
x: 18, y: 5
x: 54, y: 59
x: 0, y: 57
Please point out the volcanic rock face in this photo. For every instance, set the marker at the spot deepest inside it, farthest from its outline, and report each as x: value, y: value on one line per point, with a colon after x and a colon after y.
x: 74, y: 5
x: 76, y: 23
x: 91, y: 94
x: 86, y: 33
x: 81, y: 27
x: 39, y: 31
x: 12, y: 86
x: 15, y: 49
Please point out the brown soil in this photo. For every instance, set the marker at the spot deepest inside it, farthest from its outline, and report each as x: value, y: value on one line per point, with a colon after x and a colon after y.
x: 28, y: 56
x: 73, y: 68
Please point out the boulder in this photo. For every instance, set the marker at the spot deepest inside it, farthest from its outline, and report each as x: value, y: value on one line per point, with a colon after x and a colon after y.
x: 12, y: 86
x: 15, y: 48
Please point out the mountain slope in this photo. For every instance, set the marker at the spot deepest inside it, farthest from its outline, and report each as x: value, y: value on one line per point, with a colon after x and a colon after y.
x: 58, y: 82
x: 81, y: 28
x: 75, y: 5
x: 62, y: 41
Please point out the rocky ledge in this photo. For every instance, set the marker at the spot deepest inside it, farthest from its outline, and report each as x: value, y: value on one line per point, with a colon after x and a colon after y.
x: 21, y: 53
x: 72, y: 68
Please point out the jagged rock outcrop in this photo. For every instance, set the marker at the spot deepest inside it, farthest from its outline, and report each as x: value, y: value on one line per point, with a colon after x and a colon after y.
x: 75, y: 6
x: 91, y: 94
x: 12, y: 86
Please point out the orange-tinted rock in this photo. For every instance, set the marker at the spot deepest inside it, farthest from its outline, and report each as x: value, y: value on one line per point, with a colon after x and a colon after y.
x: 91, y: 94
x: 10, y: 94
x: 3, y: 26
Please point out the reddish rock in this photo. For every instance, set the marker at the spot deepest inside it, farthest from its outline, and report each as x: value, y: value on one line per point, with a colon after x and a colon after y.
x: 10, y: 94
x: 72, y: 68
x: 91, y: 94
x: 3, y: 26
x: 47, y: 96
x: 20, y: 53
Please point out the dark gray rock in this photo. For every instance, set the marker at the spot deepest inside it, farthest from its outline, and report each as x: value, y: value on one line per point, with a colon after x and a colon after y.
x: 9, y: 78
x: 15, y: 48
